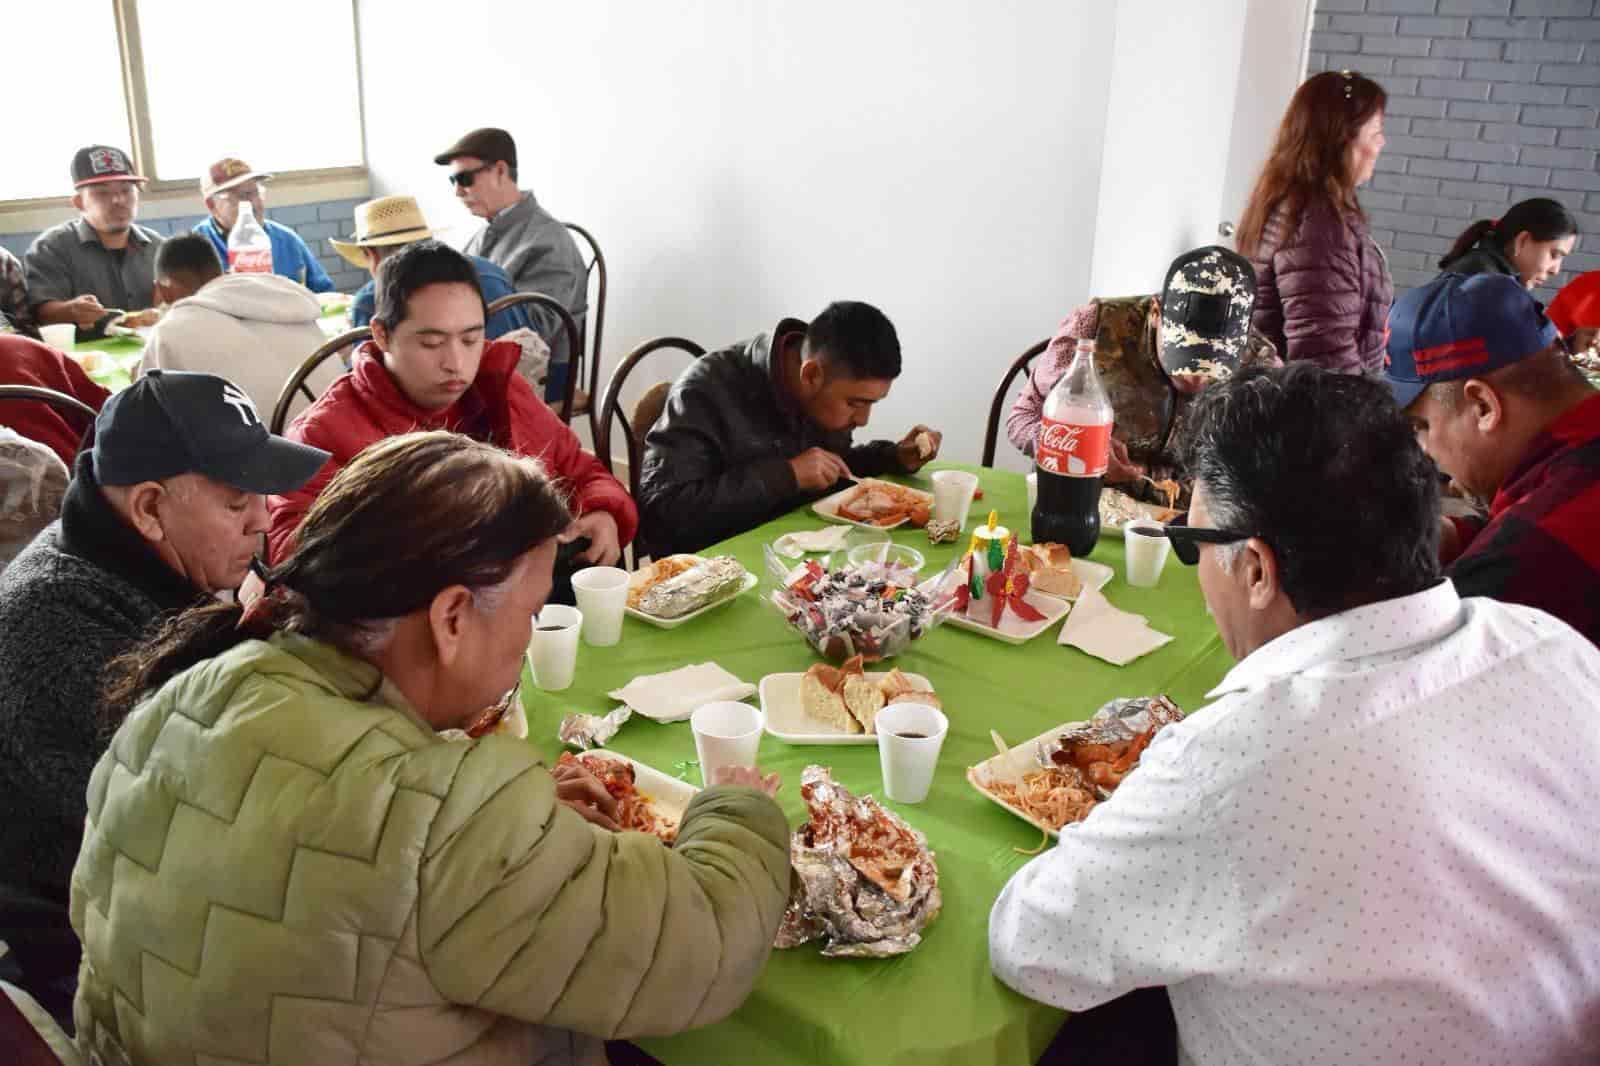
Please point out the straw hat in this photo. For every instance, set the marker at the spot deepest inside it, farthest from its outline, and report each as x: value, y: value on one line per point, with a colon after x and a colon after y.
x: 388, y: 220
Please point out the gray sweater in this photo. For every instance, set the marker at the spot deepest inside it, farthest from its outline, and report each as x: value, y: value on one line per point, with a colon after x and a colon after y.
x: 85, y: 591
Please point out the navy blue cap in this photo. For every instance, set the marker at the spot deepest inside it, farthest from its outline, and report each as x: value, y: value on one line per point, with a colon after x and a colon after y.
x: 175, y: 422
x: 1461, y: 326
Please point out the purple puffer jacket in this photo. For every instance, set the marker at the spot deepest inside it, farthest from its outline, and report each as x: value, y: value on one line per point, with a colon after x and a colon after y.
x: 1323, y: 290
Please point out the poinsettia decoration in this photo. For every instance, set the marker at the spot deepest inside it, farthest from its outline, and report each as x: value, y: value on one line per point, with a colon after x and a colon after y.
x: 1008, y: 587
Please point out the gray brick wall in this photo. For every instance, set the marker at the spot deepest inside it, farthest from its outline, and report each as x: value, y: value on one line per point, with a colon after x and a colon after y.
x: 1490, y: 102
x: 314, y: 222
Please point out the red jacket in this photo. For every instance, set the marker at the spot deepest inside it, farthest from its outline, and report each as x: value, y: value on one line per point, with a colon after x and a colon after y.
x: 367, y: 405
x: 27, y: 362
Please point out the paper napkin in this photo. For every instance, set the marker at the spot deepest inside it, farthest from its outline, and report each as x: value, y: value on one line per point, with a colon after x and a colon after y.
x: 673, y: 696
x: 1106, y: 632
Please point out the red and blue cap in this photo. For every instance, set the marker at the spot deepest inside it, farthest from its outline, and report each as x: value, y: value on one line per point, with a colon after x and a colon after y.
x: 1461, y: 326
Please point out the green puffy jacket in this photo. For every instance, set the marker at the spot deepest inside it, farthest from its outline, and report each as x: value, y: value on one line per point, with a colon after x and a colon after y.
x: 284, y: 864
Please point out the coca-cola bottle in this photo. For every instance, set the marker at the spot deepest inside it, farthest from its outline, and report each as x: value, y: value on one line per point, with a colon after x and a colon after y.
x: 249, y: 247
x: 1070, y: 455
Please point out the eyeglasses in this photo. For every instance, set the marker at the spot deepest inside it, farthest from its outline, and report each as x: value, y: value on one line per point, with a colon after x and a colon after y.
x: 1186, y: 539
x: 463, y: 179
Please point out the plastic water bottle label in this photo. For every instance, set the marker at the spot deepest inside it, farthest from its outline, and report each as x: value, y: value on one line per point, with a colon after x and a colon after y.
x: 1077, y: 451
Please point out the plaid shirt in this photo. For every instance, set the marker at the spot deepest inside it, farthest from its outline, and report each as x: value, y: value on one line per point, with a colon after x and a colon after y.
x: 1541, y: 543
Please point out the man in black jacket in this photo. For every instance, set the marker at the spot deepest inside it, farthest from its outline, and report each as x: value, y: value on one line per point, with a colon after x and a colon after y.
x: 753, y: 430
x: 167, y: 506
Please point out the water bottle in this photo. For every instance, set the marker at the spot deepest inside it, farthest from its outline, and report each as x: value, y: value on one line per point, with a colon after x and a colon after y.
x: 249, y: 247
x: 1070, y: 454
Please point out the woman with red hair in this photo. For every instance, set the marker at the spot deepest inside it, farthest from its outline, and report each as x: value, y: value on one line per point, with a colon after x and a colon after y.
x: 1322, y: 284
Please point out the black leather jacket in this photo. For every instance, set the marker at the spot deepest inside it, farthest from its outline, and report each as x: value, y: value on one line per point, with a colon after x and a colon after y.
x: 716, y: 464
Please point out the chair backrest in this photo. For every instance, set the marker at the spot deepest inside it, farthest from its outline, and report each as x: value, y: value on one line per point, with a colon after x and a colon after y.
x: 67, y: 405
x: 297, y: 380
x: 1019, y: 365
x: 611, y: 406
x: 595, y: 321
x: 569, y: 326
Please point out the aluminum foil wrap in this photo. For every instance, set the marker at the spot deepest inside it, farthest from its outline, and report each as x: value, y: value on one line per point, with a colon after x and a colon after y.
x: 700, y: 585
x: 943, y: 531
x: 585, y: 731
x: 866, y: 883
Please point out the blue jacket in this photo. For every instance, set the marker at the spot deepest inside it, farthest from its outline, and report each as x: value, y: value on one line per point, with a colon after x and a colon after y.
x: 494, y: 282
x: 290, y: 256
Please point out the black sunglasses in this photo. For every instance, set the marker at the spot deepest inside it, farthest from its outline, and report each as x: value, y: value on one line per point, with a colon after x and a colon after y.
x: 463, y: 179
x: 1186, y: 539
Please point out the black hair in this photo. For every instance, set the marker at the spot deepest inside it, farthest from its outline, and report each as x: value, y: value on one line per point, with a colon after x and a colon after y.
x: 418, y: 265
x: 1544, y: 218
x: 191, y: 256
x: 856, y: 338
x: 1326, y: 469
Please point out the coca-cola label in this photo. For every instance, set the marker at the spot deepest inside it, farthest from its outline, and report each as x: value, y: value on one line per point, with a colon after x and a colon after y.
x: 250, y: 260
x: 1076, y: 451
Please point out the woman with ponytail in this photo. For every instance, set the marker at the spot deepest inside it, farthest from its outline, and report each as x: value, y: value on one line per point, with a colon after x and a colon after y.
x: 1528, y: 242
x: 1322, y: 284
x: 286, y: 860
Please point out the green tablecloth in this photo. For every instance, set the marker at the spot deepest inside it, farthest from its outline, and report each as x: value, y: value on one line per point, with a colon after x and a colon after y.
x: 114, y: 360
x: 940, y: 1003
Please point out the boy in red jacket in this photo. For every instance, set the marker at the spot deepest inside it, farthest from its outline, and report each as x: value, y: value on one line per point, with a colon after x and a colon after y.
x: 428, y: 367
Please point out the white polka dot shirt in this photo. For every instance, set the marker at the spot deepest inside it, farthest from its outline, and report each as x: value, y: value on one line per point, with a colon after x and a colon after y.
x: 1378, y: 845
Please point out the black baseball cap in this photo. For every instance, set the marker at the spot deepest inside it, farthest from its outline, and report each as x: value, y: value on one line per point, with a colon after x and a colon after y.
x: 1206, y: 302
x: 100, y: 163
x: 173, y: 422
x: 488, y: 144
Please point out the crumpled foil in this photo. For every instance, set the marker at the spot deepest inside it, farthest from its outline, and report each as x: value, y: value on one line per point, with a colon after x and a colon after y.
x: 943, y: 531
x: 866, y: 883
x: 693, y: 589
x: 585, y: 731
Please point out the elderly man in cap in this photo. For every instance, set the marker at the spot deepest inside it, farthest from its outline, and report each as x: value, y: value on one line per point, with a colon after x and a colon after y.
x: 1497, y: 403
x: 166, y: 507
x: 386, y: 225
x: 85, y: 270
x: 227, y: 183
x: 535, y: 249
x: 1154, y: 354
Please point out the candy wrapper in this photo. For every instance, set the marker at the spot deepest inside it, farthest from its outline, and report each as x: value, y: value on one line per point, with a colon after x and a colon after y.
x: 584, y: 731
x: 943, y: 531
x: 866, y: 883
x: 844, y: 609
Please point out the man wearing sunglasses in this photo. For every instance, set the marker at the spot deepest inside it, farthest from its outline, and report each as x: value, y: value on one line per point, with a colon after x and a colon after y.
x: 1375, y: 843
x: 521, y: 237
x: 1498, y: 403
x: 226, y: 184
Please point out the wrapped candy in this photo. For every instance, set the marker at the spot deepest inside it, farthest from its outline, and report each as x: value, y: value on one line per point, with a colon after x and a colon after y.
x: 866, y: 883
x: 943, y: 531
x: 871, y: 609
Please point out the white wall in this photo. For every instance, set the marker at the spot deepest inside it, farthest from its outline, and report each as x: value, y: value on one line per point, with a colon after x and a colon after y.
x: 1276, y: 36
x: 743, y: 161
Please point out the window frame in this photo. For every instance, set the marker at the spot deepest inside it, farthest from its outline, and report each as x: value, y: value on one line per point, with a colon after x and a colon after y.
x: 293, y: 186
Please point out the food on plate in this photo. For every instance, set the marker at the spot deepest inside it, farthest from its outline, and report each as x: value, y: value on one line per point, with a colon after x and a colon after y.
x: 1118, y: 509
x: 869, y: 609
x: 138, y: 319
x: 681, y: 584
x: 1050, y: 569
x: 993, y: 578
x: 635, y: 810
x: 943, y: 530
x: 1084, y: 765
x: 847, y: 699
x: 883, y: 503
x: 866, y: 883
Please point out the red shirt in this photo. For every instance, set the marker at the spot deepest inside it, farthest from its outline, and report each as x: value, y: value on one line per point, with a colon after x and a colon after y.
x: 366, y: 405
x: 27, y: 362
x: 1541, y: 544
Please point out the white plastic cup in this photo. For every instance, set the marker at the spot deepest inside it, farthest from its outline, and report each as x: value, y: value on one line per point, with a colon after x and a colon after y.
x: 59, y: 337
x: 602, y: 593
x: 1033, y: 491
x: 910, y: 736
x: 553, y: 649
x: 1145, y: 552
x: 952, y: 495
x: 725, y: 734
